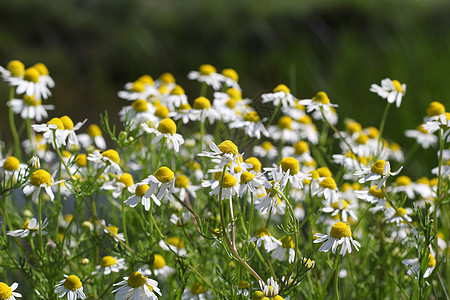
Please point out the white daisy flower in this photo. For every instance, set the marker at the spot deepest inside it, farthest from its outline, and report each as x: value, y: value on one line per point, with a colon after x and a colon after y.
x: 70, y: 129
x: 160, y: 267
x: 286, y: 249
x: 14, y: 70
x: 281, y: 96
x: 202, y: 109
x: 139, y: 193
x: 307, y: 130
x: 137, y: 287
x: 30, y: 108
x: 299, y: 151
x: 290, y: 167
x: 93, y: 136
x: 45, y: 75
x: 229, y: 187
x: 196, y: 292
x: 30, y: 226
x: 139, y: 89
x: 7, y: 292
x: 391, y: 90
x: 422, y: 136
x: 185, y: 113
x: 230, y: 78
x: 393, y: 216
x: 39, y: 179
x: 109, y: 265
x: 180, y: 220
x: 414, y: 266
x: 271, y: 199
x: 120, y: 183
x: 263, y: 236
x: 422, y: 187
x: 326, y: 188
x: 166, y: 129
x: 70, y: 286
x: 159, y: 183
x: 319, y: 102
x: 184, y: 188
x: 340, y: 234
x: 373, y: 196
x: 249, y: 182
x: 252, y: 125
x: 270, y: 289
x: 440, y: 122
x: 109, y: 158
x: 266, y: 149
x: 404, y: 184
x: 114, y: 232
x: 340, y: 207
x: 207, y: 74
x: 55, y: 125
x: 30, y: 84
x: 140, y: 111
x: 173, y: 244
x: 11, y: 166
x: 287, y: 130
x: 378, y: 173
x: 176, y: 98
x: 226, y: 151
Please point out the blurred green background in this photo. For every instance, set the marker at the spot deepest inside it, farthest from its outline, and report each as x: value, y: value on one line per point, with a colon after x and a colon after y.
x: 92, y: 47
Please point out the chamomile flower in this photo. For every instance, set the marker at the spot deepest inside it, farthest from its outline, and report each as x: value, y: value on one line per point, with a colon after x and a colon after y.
x: 229, y: 187
x: 320, y: 102
x: 285, y: 249
x: 39, y: 179
x: 185, y: 113
x: 30, y: 84
x: 286, y: 130
x: 307, y: 130
x: 266, y: 149
x: 391, y: 90
x: 166, y: 130
x: 270, y: 289
x: 393, y: 216
x: 373, y: 196
x: 7, y: 292
x: 70, y: 129
x: 109, y: 265
x: 30, y: 108
x: 281, y: 96
x: 70, y: 286
x: 93, y: 136
x: 207, y: 74
x: 45, y: 75
x: 119, y: 184
x: 414, y: 266
x: 181, y: 219
x: 263, y: 236
x: 422, y: 136
x: 340, y: 208
x: 160, y: 267
x: 326, y: 188
x: 14, y: 70
x: 54, y: 126
x: 11, y: 166
x: 139, y: 89
x: 137, y: 287
x: 404, y: 184
x: 270, y: 200
x: 249, y: 182
x: 226, y: 152
x: 160, y: 183
x: 290, y: 167
x: 230, y: 78
x: 202, y: 109
x: 378, y: 173
x: 184, y: 187
x: 196, y: 292
x: 340, y: 234
x: 252, y: 125
x: 113, y: 231
x: 140, y: 111
x: 30, y: 226
x: 109, y: 159
x: 299, y: 151
x: 440, y: 122
x: 173, y: 244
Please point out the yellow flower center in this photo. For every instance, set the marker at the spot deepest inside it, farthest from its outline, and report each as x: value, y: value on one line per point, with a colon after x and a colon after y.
x: 126, y: 179
x: 159, y: 262
x: 162, y: 112
x: 324, y: 172
x: 291, y: 164
x: 16, y: 67
x: 167, y: 126
x: 305, y: 120
x: 378, y: 167
x: 281, y: 88
x: 67, y: 122
x: 270, y: 292
x: 11, y: 164
x: 5, y: 291
x: 136, y: 280
x: 362, y: 139
x: 301, y: 147
x: 25, y: 225
x: 177, y: 90
x: 186, y: 106
x: 340, y: 230
x: 140, y: 105
x: 353, y: 126
x: 234, y: 94
x: 56, y: 121
x: 167, y: 78
x: 182, y: 181
x: 41, y: 68
x: 321, y: 97
x: 207, y: 69
x: 266, y: 145
x: 258, y: 295
x: 68, y: 217
x: 243, y: 285
x: 107, y: 261
x: 228, y: 181
x: 164, y: 174
x: 287, y: 242
x: 252, y: 117
x: 328, y: 183
x: 94, y: 130
x: 285, y: 122
x: 255, y: 163
x: 163, y: 89
x: 421, y: 128
x: 335, y: 205
x: 403, y: 180
x: 81, y: 160
x: 174, y: 241
x: 113, y: 229
x: 230, y: 73
x: 202, y: 103
x: 431, y: 261
x: 401, y: 211
x: 262, y: 232
x: 39, y: 177
x: 246, y: 177
x: 112, y: 155
x: 141, y: 190
x: 31, y: 74
x: 31, y: 101
x: 72, y: 283
x: 423, y: 180
x: 373, y: 132
x: 228, y: 147
x: 197, y: 289
x: 138, y: 86
x: 377, y: 193
x: 147, y: 79
x: 314, y: 174
x: 435, y: 108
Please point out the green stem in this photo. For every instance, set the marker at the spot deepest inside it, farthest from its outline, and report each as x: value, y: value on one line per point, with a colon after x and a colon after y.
x: 383, y: 122
x: 202, y: 134
x: 336, y: 277
x: 124, y: 220
x: 12, y: 124
x: 274, y: 115
x: 160, y: 153
x: 41, y: 246
x: 359, y: 220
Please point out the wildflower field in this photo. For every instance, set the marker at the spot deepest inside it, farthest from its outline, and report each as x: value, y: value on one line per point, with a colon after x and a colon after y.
x: 209, y: 194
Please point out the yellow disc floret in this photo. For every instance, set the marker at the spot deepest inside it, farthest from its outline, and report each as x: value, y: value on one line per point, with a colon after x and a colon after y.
x: 328, y: 183
x: 251, y: 117
x: 378, y: 167
x: 41, y: 68
x: 230, y: 73
x: 31, y: 101
x: 421, y: 128
x: 228, y: 147
x: 94, y: 130
x: 305, y: 120
x: 5, y: 291
x: 175, y: 241
x: 16, y: 67
x: 324, y: 172
x: 159, y: 262
x: 113, y: 229
x: 340, y: 230
x: 335, y: 205
x: 266, y: 145
x: 167, y: 78
x: 67, y: 122
x: 202, y: 103
x: 285, y: 122
x: 197, y: 289
x: 377, y: 193
x: 137, y: 86
x: 140, y: 105
x: 11, y: 164
x: 141, y: 190
x: 177, y: 90
x: 107, y: 261
x: 301, y: 147
x: 162, y: 112
x: 207, y: 69
x: 256, y: 164
x: 164, y: 174
x: 352, y: 126
x: 229, y: 181
x: 281, y: 88
x: 287, y: 242
x: 321, y: 97
x: 362, y: 139
x: 246, y: 177
x: 81, y: 160
x: 72, y: 283
x: 181, y: 181
x: 262, y: 232
x: 56, y: 121
x: 234, y: 94
x: 373, y: 132
x: 397, y: 85
x: 147, y: 79
x: 112, y: 155
x: 31, y: 74
x: 136, y: 280
x: 41, y: 177
x: 291, y: 164
x: 431, y: 261
x: 403, y: 180
x: 126, y: 179
x: 167, y: 126
x: 435, y: 108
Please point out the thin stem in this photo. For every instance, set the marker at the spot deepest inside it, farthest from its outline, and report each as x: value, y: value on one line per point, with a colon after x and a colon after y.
x: 274, y: 115
x: 395, y: 208
x: 383, y: 121
x: 124, y: 220
x: 233, y: 233
x: 41, y: 246
x: 336, y: 277
x: 359, y: 220
x: 160, y: 153
x: 12, y: 124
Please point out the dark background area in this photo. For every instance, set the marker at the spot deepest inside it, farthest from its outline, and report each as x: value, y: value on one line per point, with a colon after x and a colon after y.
x: 92, y: 48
